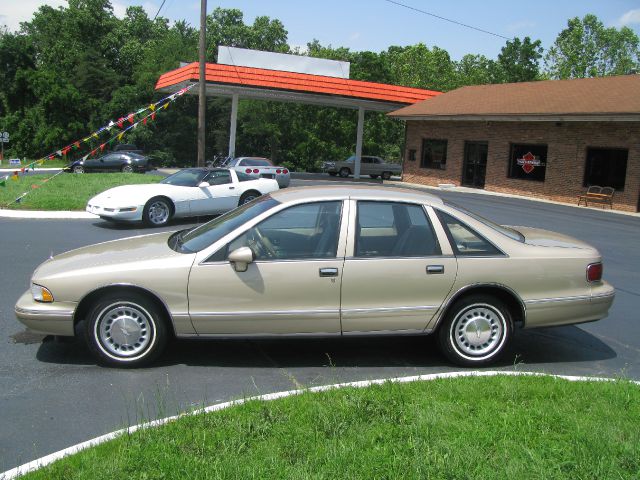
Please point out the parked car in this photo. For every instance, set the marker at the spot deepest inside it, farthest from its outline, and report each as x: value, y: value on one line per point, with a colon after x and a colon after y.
x: 260, y: 167
x: 187, y: 193
x: 123, y: 161
x: 373, y: 166
x: 328, y: 261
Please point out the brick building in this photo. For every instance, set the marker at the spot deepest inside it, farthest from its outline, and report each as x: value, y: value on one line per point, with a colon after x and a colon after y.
x: 548, y: 139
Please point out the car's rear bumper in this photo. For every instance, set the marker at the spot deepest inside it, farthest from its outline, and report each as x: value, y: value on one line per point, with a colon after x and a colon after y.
x: 54, y: 318
x: 548, y: 312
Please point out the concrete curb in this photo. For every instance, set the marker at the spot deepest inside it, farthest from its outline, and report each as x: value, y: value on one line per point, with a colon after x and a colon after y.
x: 49, y: 459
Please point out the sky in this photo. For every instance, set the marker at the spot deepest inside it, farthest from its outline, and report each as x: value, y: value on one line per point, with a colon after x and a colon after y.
x: 375, y: 25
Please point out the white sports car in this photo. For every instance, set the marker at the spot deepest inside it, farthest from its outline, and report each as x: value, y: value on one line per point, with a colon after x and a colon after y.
x: 187, y: 193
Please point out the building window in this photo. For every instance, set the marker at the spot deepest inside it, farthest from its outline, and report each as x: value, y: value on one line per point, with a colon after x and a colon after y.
x: 434, y: 154
x: 528, y: 162
x: 412, y: 155
x: 606, y: 167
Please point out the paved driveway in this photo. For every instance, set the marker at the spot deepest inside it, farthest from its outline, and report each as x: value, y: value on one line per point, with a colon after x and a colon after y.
x: 53, y: 395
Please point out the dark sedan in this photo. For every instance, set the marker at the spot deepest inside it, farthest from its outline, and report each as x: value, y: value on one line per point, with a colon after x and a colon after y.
x: 125, y: 162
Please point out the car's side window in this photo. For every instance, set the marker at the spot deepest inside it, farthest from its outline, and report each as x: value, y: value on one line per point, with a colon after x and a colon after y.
x: 391, y: 229
x: 464, y: 240
x: 218, y: 177
x: 243, y: 177
x: 300, y: 232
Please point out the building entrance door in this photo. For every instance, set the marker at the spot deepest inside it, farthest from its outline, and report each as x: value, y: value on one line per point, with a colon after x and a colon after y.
x: 474, y: 167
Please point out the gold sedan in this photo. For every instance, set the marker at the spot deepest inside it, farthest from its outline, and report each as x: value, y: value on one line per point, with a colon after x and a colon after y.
x: 324, y: 261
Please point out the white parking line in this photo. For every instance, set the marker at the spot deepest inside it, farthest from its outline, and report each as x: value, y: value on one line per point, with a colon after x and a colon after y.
x: 49, y: 459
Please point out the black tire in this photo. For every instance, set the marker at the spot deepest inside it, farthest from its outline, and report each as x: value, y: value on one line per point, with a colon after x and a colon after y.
x: 157, y: 212
x: 333, y: 174
x: 126, y: 330
x: 386, y: 175
x: 248, y: 196
x: 345, y: 172
x: 126, y: 168
x: 475, y: 331
x: 78, y: 169
x: 374, y: 176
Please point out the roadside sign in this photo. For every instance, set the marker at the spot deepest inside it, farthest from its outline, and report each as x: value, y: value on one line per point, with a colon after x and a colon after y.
x: 4, y: 137
x: 15, y: 161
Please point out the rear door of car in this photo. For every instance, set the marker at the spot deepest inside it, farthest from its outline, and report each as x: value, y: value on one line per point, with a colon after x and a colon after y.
x: 398, y: 270
x: 292, y: 287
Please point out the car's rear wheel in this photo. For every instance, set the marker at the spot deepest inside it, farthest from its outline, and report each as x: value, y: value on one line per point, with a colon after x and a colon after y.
x: 127, y: 169
x: 157, y: 212
x: 126, y: 330
x: 78, y: 169
x: 249, y: 196
x: 475, y: 331
x: 345, y: 172
x: 386, y: 175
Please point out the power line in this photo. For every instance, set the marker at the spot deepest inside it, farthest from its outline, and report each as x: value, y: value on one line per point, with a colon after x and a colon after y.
x: 447, y: 19
x: 161, y: 5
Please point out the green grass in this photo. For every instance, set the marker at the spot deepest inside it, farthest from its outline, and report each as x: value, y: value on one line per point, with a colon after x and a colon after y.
x: 466, y: 428
x: 67, y: 191
x: 55, y: 163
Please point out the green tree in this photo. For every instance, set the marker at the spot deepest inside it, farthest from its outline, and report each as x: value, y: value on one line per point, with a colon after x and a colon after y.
x: 586, y: 48
x: 519, y: 61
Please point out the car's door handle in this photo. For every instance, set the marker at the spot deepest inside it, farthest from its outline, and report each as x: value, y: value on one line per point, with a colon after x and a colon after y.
x: 232, y: 188
x: 328, y: 272
x: 435, y: 269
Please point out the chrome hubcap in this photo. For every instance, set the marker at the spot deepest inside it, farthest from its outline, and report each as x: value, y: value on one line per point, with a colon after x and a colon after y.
x: 158, y: 213
x: 249, y: 198
x: 478, y: 330
x: 127, y: 169
x: 125, y: 330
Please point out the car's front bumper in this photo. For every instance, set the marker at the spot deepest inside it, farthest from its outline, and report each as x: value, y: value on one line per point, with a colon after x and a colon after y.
x: 55, y: 318
x: 116, y: 213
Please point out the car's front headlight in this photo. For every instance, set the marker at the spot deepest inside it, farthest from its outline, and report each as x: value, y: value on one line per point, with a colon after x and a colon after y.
x: 41, y: 294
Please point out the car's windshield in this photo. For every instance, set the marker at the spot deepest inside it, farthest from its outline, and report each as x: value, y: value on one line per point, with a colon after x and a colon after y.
x: 509, y: 232
x: 189, y: 177
x: 210, y: 232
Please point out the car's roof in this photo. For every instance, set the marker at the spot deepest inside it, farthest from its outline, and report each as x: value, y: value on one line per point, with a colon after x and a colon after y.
x: 362, y: 192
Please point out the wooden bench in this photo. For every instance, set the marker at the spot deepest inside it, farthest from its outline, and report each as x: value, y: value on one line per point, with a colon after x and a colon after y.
x: 597, y: 194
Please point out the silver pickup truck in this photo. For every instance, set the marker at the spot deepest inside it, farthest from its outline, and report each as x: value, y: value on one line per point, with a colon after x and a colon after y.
x: 373, y: 166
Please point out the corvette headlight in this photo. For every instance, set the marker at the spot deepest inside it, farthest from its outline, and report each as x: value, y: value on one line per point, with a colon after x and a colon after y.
x: 41, y: 294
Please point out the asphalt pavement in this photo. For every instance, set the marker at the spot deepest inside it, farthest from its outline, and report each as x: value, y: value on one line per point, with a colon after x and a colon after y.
x: 53, y: 395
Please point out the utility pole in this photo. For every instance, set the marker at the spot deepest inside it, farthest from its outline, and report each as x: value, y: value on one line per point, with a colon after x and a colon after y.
x: 202, y: 91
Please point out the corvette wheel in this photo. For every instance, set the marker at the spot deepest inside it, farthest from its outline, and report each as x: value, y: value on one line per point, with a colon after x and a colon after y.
x: 157, y: 212
x: 248, y: 197
x: 127, y: 169
x: 78, y: 169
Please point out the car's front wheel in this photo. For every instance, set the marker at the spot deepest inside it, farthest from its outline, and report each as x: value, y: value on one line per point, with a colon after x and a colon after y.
x: 126, y: 330
x: 78, y: 169
x: 475, y: 331
x: 157, y: 212
x: 345, y: 172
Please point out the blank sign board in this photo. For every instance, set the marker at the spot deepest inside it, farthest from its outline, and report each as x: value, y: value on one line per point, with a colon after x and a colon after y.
x: 242, y: 57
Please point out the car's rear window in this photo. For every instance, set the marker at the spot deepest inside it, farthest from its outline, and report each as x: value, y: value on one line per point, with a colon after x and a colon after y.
x: 509, y: 232
x: 254, y: 162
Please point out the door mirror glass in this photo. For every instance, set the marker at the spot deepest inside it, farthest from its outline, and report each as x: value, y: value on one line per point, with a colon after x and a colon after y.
x: 203, y: 184
x: 240, y: 258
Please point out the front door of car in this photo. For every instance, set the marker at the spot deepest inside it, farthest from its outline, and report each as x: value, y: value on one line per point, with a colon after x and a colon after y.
x: 292, y: 286
x: 398, y: 277
x: 220, y: 196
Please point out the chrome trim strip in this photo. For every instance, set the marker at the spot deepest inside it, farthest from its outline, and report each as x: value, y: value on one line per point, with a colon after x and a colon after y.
x: 422, y: 308
x: 426, y: 331
x: 401, y: 258
x: 577, y: 298
x: 603, y: 295
x: 44, y: 313
x: 266, y: 314
x: 258, y: 336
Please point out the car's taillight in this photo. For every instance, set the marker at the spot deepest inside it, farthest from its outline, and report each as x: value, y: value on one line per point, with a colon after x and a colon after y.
x: 248, y: 170
x: 594, y: 272
x: 255, y: 170
x: 285, y: 171
x: 278, y: 171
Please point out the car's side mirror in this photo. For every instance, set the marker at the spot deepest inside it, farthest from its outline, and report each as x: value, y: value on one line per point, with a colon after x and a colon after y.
x: 240, y: 258
x: 204, y: 184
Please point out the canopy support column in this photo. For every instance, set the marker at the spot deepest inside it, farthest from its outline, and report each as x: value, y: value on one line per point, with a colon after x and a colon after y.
x: 356, y: 173
x: 234, y: 124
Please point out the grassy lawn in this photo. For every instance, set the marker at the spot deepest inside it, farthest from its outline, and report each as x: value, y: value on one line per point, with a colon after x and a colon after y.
x: 466, y: 428
x: 67, y: 191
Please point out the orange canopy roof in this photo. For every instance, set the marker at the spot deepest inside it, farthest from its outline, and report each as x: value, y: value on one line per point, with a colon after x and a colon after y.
x: 300, y: 83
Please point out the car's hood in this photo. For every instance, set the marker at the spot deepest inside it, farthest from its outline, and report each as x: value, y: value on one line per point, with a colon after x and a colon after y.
x: 546, y: 238
x: 109, y: 255
x: 131, y: 195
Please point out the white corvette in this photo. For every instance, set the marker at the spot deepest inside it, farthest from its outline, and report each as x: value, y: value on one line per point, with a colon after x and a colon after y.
x: 187, y: 193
